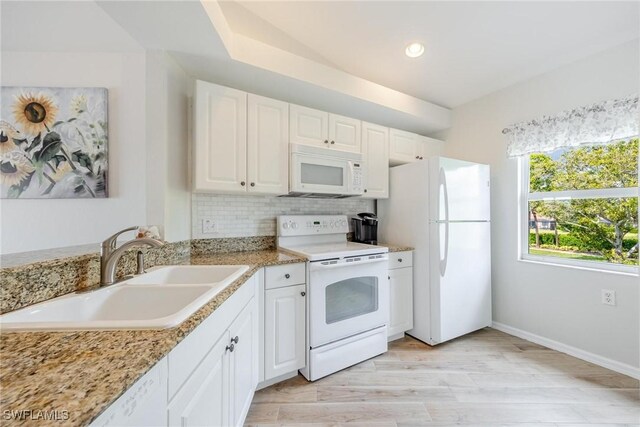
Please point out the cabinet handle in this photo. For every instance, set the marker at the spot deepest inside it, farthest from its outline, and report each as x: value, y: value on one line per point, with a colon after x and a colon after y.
x: 242, y: 183
x: 365, y: 190
x: 399, y: 259
x: 421, y: 158
x: 326, y: 141
x: 235, y: 340
x: 287, y: 276
x: 417, y: 157
x: 253, y: 184
x: 230, y: 348
x: 333, y: 142
x: 389, y: 277
x: 303, y: 293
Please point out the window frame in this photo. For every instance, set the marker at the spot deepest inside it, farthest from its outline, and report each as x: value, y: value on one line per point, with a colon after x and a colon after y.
x: 523, y: 206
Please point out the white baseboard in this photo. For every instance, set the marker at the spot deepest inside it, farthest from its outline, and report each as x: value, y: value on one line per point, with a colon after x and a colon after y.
x: 605, y: 362
x: 272, y: 381
x: 395, y: 337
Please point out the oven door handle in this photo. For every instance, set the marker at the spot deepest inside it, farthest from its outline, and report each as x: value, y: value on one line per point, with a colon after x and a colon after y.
x: 320, y: 266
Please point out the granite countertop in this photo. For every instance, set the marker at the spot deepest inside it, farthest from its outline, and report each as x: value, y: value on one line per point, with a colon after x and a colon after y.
x: 396, y: 248
x: 83, y: 372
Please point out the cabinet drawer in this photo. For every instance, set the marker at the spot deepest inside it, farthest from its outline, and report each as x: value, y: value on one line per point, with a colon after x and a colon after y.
x: 400, y: 259
x: 284, y: 275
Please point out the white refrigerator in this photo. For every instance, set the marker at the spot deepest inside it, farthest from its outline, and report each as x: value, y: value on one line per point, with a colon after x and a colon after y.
x: 441, y: 208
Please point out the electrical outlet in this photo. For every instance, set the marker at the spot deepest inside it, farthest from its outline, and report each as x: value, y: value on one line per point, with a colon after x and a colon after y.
x: 209, y: 226
x: 608, y: 297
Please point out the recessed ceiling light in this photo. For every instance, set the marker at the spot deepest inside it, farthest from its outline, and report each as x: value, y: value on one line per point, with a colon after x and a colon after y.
x: 414, y: 50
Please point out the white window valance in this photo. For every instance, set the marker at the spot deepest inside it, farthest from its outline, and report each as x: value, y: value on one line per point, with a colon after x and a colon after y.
x: 600, y: 123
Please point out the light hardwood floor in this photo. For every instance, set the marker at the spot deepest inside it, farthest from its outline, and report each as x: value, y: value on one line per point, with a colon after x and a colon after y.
x: 487, y: 378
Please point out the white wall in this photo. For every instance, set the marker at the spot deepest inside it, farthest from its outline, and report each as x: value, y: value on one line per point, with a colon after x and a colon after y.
x: 148, y: 150
x: 168, y: 185
x: 556, y: 303
x: 42, y: 224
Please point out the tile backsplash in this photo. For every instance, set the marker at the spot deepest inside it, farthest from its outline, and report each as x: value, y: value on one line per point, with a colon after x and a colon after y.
x: 240, y: 216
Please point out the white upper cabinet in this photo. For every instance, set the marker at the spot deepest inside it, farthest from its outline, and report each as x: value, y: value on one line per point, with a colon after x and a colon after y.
x: 429, y: 147
x: 321, y: 129
x: 220, y: 138
x: 267, y: 146
x: 344, y: 133
x: 308, y: 126
x: 402, y: 147
x: 407, y: 147
x: 375, y: 150
x: 241, y: 142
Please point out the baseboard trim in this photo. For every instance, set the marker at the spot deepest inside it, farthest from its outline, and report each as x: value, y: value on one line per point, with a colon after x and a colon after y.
x: 395, y: 337
x: 272, y: 381
x: 605, y: 362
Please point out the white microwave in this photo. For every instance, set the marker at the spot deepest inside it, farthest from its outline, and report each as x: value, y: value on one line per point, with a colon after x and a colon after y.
x: 324, y: 172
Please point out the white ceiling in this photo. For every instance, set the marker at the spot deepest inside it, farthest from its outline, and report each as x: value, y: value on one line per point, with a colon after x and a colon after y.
x: 341, y: 56
x: 472, y: 48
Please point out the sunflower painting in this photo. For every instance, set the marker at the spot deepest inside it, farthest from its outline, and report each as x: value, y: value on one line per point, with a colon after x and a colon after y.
x: 53, y: 143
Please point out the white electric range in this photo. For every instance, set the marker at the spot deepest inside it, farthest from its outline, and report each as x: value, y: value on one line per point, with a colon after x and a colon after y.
x: 348, y: 288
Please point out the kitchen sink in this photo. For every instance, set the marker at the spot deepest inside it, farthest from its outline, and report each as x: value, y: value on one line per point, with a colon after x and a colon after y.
x: 162, y: 298
x: 189, y: 274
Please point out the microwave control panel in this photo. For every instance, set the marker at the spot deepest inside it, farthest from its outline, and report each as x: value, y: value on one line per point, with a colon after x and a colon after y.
x: 356, y: 183
x: 301, y: 225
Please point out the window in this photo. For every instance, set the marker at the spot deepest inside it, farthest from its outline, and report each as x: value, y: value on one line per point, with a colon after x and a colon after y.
x: 580, y: 206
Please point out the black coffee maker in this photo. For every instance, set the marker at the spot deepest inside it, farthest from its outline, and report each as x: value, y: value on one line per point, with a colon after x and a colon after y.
x: 365, y: 228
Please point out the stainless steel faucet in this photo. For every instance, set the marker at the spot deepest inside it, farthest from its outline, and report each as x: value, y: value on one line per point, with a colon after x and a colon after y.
x: 109, y: 254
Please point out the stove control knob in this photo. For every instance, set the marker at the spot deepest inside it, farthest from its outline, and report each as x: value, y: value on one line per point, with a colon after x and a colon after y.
x: 294, y: 225
x: 285, y: 225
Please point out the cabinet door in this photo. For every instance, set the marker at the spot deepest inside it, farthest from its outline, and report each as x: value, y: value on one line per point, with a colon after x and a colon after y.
x: 244, y: 362
x: 220, y: 138
x: 267, y: 145
x: 308, y: 126
x: 284, y: 330
x: 429, y: 147
x: 204, y: 398
x: 344, y: 133
x: 375, y: 150
x: 402, y: 147
x: 401, y: 300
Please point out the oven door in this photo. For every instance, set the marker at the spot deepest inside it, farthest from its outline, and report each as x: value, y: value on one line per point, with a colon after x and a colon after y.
x: 317, y: 174
x: 347, y: 297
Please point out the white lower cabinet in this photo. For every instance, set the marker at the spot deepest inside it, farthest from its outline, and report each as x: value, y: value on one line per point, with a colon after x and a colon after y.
x: 284, y: 329
x: 204, y: 399
x: 220, y: 390
x: 401, y: 293
x: 244, y: 357
x: 208, y: 379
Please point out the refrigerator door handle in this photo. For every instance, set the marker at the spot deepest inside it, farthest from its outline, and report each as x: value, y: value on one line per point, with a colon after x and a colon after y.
x: 443, y: 187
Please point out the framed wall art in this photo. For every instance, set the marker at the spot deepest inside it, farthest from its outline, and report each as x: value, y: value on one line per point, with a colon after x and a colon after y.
x: 53, y: 143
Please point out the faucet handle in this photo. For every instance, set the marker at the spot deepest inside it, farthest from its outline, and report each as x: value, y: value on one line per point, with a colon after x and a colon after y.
x: 110, y: 242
